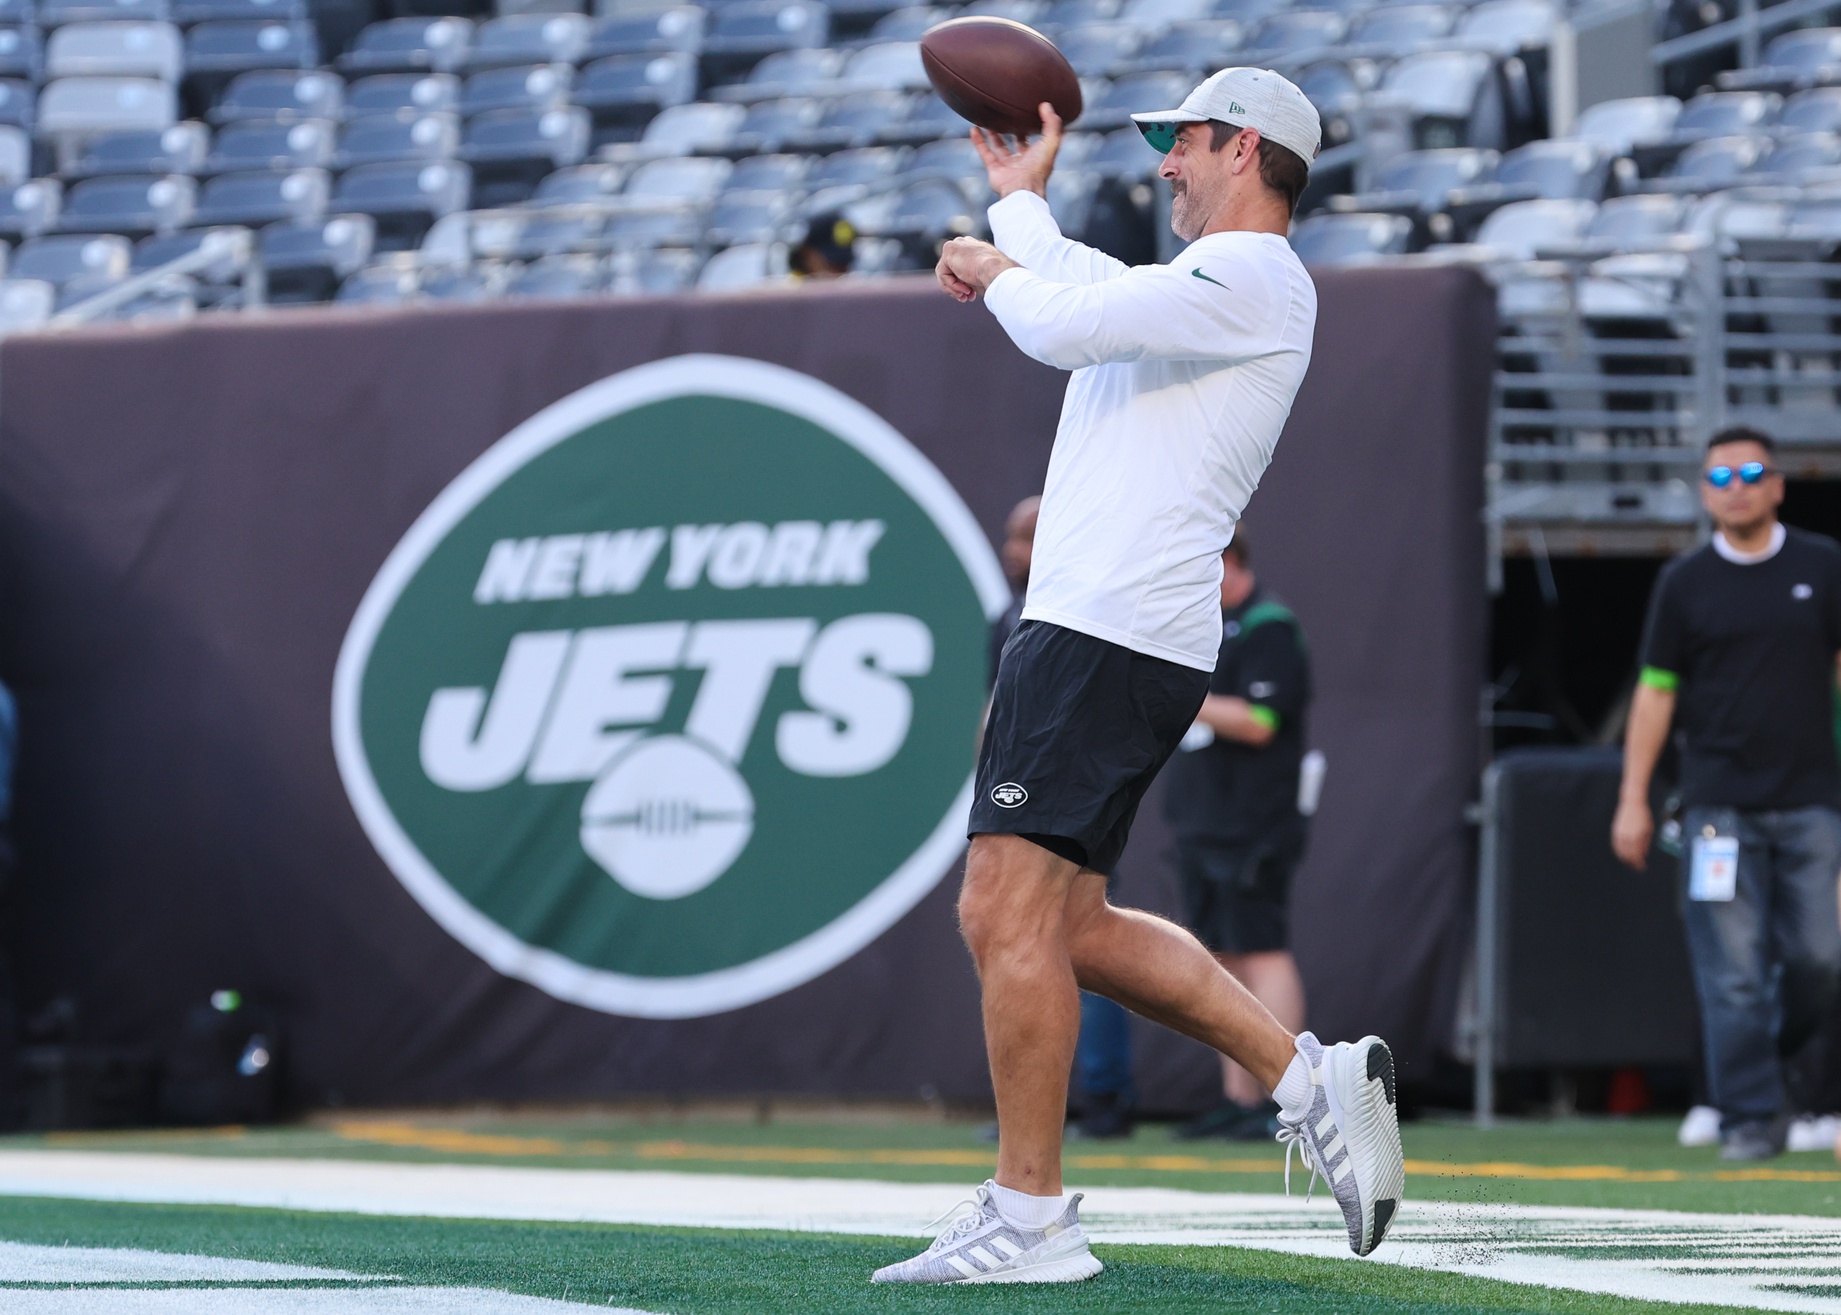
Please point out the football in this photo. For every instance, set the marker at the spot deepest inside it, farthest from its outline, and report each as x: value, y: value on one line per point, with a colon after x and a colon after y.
x: 995, y: 72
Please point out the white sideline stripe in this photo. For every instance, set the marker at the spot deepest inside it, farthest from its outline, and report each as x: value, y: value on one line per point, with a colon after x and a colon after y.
x: 286, y: 1301
x: 1720, y: 1260
x: 21, y: 1262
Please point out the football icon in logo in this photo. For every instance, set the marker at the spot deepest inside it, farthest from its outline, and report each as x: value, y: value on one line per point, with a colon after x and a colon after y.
x: 667, y: 818
x: 1009, y: 795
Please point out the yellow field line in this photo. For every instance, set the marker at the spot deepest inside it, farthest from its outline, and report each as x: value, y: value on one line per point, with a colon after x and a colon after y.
x: 457, y: 1140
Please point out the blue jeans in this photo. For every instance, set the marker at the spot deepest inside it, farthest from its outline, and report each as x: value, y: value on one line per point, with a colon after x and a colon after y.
x: 1102, y: 1057
x: 1767, y: 963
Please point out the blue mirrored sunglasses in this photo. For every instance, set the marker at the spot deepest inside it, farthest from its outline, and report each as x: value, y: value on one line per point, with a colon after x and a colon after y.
x: 1752, y: 472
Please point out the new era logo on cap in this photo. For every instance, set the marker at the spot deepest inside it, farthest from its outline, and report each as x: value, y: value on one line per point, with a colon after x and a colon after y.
x: 1247, y: 98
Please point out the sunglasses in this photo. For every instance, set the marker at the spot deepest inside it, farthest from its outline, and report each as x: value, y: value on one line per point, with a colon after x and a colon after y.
x: 1752, y: 472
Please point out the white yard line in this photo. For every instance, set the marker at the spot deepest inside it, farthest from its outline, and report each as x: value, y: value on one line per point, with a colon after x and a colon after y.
x: 1747, y: 1262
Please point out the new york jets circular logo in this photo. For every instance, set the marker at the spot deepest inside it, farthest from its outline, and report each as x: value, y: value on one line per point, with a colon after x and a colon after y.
x: 667, y: 703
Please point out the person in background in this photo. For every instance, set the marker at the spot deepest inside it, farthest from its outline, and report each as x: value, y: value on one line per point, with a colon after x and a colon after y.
x: 827, y: 251
x: 1232, y: 804
x: 1102, y: 1055
x: 1739, y: 655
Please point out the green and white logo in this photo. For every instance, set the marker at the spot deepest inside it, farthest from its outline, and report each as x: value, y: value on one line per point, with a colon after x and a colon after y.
x: 667, y: 704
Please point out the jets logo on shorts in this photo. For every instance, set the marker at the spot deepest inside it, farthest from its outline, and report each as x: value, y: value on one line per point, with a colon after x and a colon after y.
x: 1009, y: 795
x: 662, y: 705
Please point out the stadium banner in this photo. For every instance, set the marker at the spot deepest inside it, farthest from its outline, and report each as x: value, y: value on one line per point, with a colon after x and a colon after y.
x: 575, y: 700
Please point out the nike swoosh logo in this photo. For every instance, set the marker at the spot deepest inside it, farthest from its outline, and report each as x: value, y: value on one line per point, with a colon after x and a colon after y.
x: 1217, y: 282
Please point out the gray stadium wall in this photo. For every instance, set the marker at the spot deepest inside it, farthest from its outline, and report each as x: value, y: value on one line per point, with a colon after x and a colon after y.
x: 190, y: 515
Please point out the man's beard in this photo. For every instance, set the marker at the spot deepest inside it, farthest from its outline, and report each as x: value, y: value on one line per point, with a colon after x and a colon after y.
x: 1180, y: 222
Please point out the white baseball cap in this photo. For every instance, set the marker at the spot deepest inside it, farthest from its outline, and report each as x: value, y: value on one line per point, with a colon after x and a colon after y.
x: 1246, y: 98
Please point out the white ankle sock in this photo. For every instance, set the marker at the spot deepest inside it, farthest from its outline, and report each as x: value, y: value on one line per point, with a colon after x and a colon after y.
x: 1293, y: 1090
x: 1026, y: 1210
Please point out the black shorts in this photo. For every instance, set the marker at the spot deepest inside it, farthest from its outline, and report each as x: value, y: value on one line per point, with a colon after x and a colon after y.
x: 1238, y: 897
x: 1079, y: 728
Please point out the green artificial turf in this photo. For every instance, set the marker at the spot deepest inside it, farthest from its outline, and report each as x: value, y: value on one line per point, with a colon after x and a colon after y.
x: 1620, y: 1163
x: 694, y: 1272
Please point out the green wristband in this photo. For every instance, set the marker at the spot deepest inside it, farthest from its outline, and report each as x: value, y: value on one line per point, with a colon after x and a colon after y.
x: 1260, y: 713
x: 1658, y: 678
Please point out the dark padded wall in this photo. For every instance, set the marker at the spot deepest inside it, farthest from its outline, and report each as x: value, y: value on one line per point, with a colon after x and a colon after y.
x: 188, y: 517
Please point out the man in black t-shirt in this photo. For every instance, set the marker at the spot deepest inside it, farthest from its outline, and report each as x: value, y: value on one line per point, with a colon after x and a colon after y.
x: 1231, y: 799
x: 1740, y: 654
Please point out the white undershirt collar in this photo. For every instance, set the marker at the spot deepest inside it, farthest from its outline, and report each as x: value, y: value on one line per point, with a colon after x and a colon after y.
x: 1764, y: 554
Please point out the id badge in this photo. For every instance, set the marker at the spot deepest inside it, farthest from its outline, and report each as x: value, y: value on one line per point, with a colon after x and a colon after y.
x: 1714, y: 873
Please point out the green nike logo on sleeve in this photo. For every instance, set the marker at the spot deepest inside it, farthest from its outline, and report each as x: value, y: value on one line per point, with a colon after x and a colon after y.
x: 1217, y: 282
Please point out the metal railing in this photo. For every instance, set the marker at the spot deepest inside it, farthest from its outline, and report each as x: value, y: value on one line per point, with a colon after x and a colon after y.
x: 229, y: 252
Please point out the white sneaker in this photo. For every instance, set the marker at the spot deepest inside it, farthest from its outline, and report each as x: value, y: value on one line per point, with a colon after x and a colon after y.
x: 1350, y: 1135
x: 1701, y: 1127
x: 1813, y: 1132
x: 981, y: 1246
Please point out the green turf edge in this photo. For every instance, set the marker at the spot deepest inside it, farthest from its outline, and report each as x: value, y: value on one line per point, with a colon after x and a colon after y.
x: 713, y: 1272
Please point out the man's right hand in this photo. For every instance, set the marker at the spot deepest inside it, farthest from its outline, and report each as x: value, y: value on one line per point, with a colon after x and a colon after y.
x: 1013, y: 166
x: 1631, y: 832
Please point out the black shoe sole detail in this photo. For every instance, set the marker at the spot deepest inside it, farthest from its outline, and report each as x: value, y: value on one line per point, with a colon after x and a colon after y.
x: 1381, y: 1065
x: 1383, y: 1215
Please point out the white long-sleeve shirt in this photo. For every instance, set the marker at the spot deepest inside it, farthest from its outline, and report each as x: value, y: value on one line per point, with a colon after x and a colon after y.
x: 1184, y: 375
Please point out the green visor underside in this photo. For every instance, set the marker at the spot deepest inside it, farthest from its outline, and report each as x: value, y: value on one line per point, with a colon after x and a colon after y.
x: 1161, y: 136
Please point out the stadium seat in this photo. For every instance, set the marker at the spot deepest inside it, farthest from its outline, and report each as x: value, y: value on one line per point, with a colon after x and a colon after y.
x: 1815, y: 110
x: 755, y: 265
x: 558, y: 277
x: 930, y: 211
x: 1452, y: 96
x: 30, y: 208
x: 741, y: 34
x: 57, y: 13
x: 1627, y: 223
x: 1803, y: 158
x: 263, y: 196
x: 684, y: 129
x: 1621, y: 125
x: 75, y: 266
x: 510, y: 150
x: 467, y: 283
x: 1555, y: 170
x: 1189, y: 48
x: 258, y: 144
x: 623, y: 93
x: 768, y: 173
x: 528, y: 39
x: 855, y: 120
x: 376, y: 138
x: 18, y: 103
x: 1157, y: 15
x: 528, y: 87
x: 403, y: 93
x: 1017, y: 11
x: 280, y: 94
x: 815, y: 72
x: 216, y: 284
x: 655, y: 273
x: 742, y: 217
x: 410, y: 45
x: 1798, y: 59
x: 72, y: 110
x: 769, y: 124
x: 22, y: 53
x: 115, y: 50
x: 837, y: 180
x: 1124, y: 154
x: 675, y: 30
x: 888, y: 65
x: 15, y: 155
x: 404, y: 199
x: 928, y: 119
x: 954, y: 159
x: 1714, y: 114
x: 217, y: 52
x: 180, y: 149
x: 1065, y: 15
x: 1400, y: 29
x: 186, y: 12
x: 1522, y: 230
x: 908, y: 23
x: 19, y: 11
x: 579, y: 185
x: 1114, y: 107
x: 134, y: 205
x: 1507, y: 27
x: 307, y: 260
x: 1349, y: 239
x: 386, y: 284
x: 25, y: 304
x: 1293, y: 34
x: 687, y: 181
x: 1102, y: 49
x: 1419, y: 185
